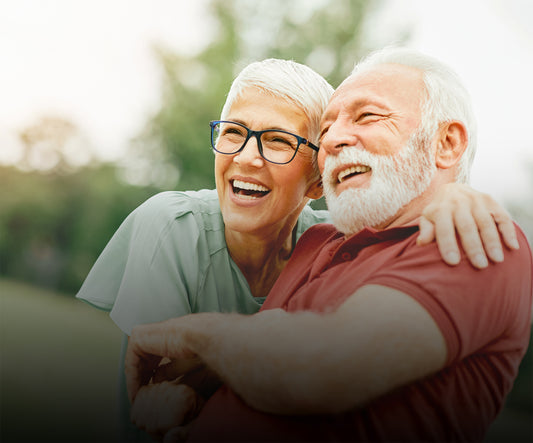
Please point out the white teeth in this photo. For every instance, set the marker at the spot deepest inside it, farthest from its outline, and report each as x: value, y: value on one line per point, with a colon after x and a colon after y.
x: 248, y: 197
x: 352, y: 170
x: 249, y: 186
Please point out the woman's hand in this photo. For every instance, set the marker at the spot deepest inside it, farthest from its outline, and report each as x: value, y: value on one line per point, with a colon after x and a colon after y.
x: 161, y: 407
x: 476, y: 217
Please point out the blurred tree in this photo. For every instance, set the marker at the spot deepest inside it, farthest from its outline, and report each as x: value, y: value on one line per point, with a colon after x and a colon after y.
x: 521, y: 209
x: 54, y: 144
x: 53, y: 226
x: 59, y: 207
x: 515, y: 423
x: 325, y: 36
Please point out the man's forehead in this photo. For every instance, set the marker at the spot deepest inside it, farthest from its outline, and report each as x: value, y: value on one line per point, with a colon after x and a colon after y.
x: 383, y: 82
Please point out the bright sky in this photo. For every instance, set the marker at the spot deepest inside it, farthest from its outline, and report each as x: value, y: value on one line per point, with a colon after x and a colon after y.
x: 91, y: 61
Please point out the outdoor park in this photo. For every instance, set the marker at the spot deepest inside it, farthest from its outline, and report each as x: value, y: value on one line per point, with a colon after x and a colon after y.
x: 60, y: 202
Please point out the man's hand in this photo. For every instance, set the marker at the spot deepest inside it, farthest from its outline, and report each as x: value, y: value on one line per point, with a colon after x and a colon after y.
x: 148, y: 345
x: 160, y: 407
x: 478, y: 219
x: 191, y: 372
x: 172, y: 369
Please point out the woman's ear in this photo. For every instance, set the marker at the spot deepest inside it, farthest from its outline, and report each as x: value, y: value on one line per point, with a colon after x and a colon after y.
x: 451, y: 144
x: 314, y: 191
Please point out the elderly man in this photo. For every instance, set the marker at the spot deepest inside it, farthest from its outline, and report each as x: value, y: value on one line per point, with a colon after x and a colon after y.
x: 376, y: 339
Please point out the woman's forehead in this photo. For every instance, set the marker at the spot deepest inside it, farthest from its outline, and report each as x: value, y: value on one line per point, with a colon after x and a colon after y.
x: 262, y: 109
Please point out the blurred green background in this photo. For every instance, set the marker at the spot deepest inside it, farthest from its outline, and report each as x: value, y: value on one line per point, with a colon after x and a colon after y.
x: 59, y: 358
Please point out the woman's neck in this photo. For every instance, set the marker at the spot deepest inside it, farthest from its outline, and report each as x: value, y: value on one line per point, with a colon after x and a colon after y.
x: 260, y: 258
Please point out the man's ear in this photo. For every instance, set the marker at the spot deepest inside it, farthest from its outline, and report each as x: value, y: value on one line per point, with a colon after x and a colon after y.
x: 451, y: 144
x: 314, y: 191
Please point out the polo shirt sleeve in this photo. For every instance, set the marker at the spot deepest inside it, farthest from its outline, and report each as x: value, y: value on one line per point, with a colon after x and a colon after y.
x: 151, y: 268
x: 474, y: 309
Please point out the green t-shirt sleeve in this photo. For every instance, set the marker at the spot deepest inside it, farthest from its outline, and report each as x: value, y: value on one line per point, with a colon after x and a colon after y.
x: 151, y: 268
x: 310, y: 217
x: 169, y: 258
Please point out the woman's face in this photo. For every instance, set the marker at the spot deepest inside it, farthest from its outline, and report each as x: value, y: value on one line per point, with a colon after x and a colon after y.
x: 256, y: 196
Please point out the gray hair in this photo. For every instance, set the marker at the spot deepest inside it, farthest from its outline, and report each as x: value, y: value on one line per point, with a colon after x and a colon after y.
x: 446, y: 97
x: 290, y: 81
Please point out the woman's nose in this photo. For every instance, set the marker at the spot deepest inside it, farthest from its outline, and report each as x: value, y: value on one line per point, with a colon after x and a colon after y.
x: 250, y: 154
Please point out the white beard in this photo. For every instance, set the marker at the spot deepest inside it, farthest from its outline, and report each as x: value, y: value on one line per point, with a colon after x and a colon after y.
x: 396, y: 180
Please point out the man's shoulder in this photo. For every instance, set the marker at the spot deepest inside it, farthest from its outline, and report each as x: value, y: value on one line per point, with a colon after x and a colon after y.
x: 319, y: 233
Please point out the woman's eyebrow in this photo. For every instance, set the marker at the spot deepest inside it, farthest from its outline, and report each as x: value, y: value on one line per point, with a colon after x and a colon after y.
x: 273, y: 128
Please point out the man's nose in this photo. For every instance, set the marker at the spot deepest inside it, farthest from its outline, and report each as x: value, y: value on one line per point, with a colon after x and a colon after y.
x: 339, y: 135
x: 250, y: 153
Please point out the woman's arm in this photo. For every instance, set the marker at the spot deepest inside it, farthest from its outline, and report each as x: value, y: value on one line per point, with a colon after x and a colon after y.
x: 476, y: 218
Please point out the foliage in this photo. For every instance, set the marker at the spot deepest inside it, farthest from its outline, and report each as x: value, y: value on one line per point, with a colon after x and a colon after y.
x: 55, y: 220
x: 522, y: 210
x: 54, y: 144
x: 53, y: 226
x: 195, y: 87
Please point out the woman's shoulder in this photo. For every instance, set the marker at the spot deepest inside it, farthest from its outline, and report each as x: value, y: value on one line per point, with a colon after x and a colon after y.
x: 179, y: 202
x: 172, y: 205
x: 310, y: 217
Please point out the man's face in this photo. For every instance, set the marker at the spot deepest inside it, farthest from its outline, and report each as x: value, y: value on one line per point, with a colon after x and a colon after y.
x: 372, y: 158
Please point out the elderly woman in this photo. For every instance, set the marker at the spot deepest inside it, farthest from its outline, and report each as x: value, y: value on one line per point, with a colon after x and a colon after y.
x: 184, y: 252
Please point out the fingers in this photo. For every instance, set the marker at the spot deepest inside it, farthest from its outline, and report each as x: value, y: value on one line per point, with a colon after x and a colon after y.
x: 427, y: 232
x: 448, y: 220
x: 444, y: 232
x: 175, y: 368
x: 138, y: 374
x: 147, y: 346
x: 478, y: 220
x: 506, y: 227
x: 469, y: 224
x: 177, y: 435
x: 159, y: 407
x: 488, y: 231
x: 139, y: 366
x: 491, y: 220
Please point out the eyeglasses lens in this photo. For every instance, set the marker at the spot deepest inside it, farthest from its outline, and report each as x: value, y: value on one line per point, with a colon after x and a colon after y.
x: 277, y: 146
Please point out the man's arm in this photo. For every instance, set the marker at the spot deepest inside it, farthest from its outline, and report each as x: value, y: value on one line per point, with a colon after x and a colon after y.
x: 302, y: 363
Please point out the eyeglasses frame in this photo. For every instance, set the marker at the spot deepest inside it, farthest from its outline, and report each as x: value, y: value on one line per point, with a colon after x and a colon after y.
x: 257, y: 135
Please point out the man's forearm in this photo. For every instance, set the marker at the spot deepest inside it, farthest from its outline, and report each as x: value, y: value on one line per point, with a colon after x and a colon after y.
x: 315, y: 363
x: 277, y: 362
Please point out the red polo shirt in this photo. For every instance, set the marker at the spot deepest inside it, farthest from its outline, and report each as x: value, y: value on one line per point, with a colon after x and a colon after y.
x: 484, y: 316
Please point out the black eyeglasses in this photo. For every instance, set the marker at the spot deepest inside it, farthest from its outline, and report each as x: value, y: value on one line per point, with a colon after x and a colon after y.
x: 275, y: 145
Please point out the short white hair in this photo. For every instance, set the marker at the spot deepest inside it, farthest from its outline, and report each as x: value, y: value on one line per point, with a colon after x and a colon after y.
x: 447, y: 98
x: 288, y: 80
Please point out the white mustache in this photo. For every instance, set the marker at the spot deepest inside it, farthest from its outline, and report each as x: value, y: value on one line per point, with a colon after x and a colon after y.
x: 348, y: 156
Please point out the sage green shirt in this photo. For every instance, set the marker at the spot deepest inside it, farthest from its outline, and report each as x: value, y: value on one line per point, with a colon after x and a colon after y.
x: 169, y: 258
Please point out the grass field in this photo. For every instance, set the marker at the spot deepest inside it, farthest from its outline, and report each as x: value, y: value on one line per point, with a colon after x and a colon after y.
x: 58, y: 368
x: 59, y: 363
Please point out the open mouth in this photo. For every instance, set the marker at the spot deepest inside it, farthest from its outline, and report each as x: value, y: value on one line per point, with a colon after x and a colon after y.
x: 352, y: 171
x: 248, y: 190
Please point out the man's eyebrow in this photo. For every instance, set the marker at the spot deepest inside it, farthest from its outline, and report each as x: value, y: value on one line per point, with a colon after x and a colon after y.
x: 356, y: 103
x: 368, y: 101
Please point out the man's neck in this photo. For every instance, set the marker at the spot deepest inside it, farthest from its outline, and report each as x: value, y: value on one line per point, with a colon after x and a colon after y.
x: 411, y: 212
